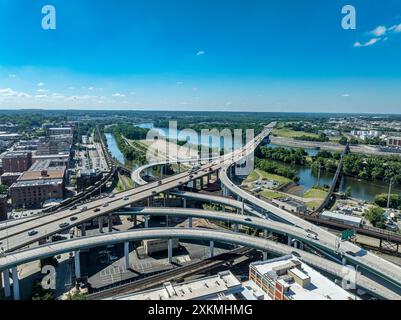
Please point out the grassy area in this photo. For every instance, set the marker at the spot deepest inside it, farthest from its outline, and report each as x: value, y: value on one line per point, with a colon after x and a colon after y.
x: 315, y: 193
x: 252, y: 177
x: 313, y: 204
x: 271, y: 176
x: 271, y: 194
x: 288, y: 133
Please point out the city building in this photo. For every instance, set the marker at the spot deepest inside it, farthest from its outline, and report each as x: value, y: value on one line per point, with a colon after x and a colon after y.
x: 223, y: 286
x: 291, y: 205
x: 352, y: 221
x: 8, y: 178
x: 16, y: 161
x: 3, y: 207
x: 60, y: 159
x: 394, y: 142
x: 33, y: 188
x: 287, y: 278
x: 60, y: 131
x: 366, y: 134
x: 87, y: 178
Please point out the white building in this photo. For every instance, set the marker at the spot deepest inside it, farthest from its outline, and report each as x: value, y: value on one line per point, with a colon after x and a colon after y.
x: 287, y: 278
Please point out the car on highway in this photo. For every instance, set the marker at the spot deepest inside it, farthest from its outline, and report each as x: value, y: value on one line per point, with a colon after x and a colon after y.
x: 97, y: 210
x: 1, y: 242
x: 32, y: 233
x: 105, y: 205
x: 296, y: 254
x: 312, y: 236
x: 83, y: 209
x: 154, y: 192
x: 112, y: 195
x: 73, y: 218
x: 125, y: 198
x: 73, y: 208
x: 191, y: 176
x: 160, y: 183
x: 180, y: 182
x: 248, y: 219
x: 64, y: 225
x: 353, y: 254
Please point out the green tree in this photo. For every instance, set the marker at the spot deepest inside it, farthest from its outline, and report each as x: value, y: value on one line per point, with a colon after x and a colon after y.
x: 348, y: 192
x: 376, y: 216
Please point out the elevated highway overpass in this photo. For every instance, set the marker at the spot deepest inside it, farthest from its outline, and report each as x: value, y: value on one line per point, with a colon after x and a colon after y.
x: 12, y: 260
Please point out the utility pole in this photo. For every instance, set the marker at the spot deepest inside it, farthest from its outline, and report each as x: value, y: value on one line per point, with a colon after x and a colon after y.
x: 389, y: 193
x: 318, y: 174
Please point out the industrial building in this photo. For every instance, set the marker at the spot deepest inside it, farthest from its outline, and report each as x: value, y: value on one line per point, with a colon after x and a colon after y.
x: 19, y: 161
x: 352, y: 221
x: 33, y: 188
x: 291, y: 205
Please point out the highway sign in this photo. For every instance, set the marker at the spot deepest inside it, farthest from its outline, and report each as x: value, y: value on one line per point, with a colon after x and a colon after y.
x: 347, y: 234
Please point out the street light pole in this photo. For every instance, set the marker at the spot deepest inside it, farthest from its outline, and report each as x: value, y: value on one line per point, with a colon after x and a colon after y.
x: 389, y: 193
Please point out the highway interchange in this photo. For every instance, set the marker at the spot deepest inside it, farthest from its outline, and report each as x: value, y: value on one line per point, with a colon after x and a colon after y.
x: 16, y: 236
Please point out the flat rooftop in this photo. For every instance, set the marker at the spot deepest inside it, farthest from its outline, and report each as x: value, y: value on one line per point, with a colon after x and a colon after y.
x: 211, y: 288
x: 320, y: 288
x: 39, y: 175
x: 334, y: 215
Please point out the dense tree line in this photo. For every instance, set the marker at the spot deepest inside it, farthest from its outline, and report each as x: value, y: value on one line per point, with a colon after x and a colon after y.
x: 275, y: 168
x: 321, y: 138
x: 395, y: 200
x: 293, y: 156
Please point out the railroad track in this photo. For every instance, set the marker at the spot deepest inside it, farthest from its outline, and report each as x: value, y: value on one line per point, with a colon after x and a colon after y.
x: 170, y: 275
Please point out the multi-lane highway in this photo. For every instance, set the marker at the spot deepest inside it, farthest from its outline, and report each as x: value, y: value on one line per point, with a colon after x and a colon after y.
x: 17, y: 236
x: 14, y: 259
x: 363, y: 258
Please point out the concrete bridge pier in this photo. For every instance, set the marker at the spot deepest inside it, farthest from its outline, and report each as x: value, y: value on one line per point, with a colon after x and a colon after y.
x: 235, y: 226
x: 201, y: 182
x: 126, y: 255
x: 100, y: 221
x: 110, y: 222
x: 211, y: 249
x: 190, y: 222
x: 184, y: 202
x: 146, y: 221
x: 6, y: 281
x: 264, y: 255
x: 83, y: 230
x: 301, y: 246
x: 289, y: 241
x: 77, y: 264
x: 170, y: 250
x: 16, y: 291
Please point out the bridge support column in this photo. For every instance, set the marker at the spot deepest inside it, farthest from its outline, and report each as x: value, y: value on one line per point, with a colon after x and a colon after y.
x: 235, y: 226
x: 208, y: 179
x: 170, y: 250
x: 77, y: 264
x: 201, y: 182
x: 83, y: 230
x: 265, y: 233
x: 146, y: 221
x: 110, y: 222
x: 296, y: 244
x: 6, y: 281
x: 16, y: 292
x: 264, y: 255
x: 190, y: 222
x: 289, y: 241
x: 167, y: 221
x: 211, y: 249
x: 301, y: 246
x: 100, y: 221
x: 243, y: 207
x: 184, y: 202
x: 135, y: 221
x: 344, y: 261
x: 126, y: 255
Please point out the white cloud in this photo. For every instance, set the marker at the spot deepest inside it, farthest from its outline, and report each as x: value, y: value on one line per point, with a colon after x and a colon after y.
x: 41, y: 96
x: 8, y: 92
x: 91, y: 88
x: 118, y: 95
x: 396, y: 28
x: 346, y: 95
x: 42, y: 90
x: 379, y: 31
x: 41, y: 84
x: 366, y: 44
x: 200, y: 53
x: 12, y: 75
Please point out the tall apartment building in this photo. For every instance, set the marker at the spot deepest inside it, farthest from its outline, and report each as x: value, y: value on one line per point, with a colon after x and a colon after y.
x: 394, y: 142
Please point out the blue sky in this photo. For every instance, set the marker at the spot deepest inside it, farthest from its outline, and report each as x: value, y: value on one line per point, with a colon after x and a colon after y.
x: 237, y: 55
